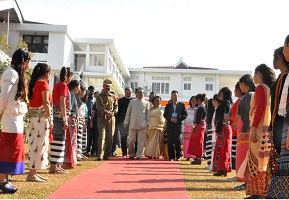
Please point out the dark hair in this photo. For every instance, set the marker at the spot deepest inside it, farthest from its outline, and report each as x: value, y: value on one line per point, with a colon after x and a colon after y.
x: 20, y: 56
x: 210, y: 113
x: 227, y: 94
x: 127, y: 88
x: 268, y: 75
x: 90, y: 87
x: 156, y: 97
x: 39, y: 70
x: 65, y: 72
x: 174, y: 92
x: 190, y: 102
x: 237, y: 87
x: 248, y: 80
x: 202, y: 97
x: 286, y: 40
x: 73, y: 84
x: 216, y: 98
x: 82, y: 86
x: 279, y: 52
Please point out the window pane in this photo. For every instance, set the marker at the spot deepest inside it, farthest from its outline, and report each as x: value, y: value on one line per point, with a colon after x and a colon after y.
x: 27, y: 39
x: 167, y: 88
x: 45, y: 40
x: 207, y: 87
x: 37, y: 40
x: 187, y: 78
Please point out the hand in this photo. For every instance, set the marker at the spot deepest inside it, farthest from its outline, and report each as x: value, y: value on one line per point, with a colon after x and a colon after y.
x: 108, y: 116
x: 65, y: 125
x: 173, y: 120
x: 124, y: 125
x: 253, y: 135
x: 226, y: 116
x: 51, y: 125
x: 91, y: 124
x: 242, y: 136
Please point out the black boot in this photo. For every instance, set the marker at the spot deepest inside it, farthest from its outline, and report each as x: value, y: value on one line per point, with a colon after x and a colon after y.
x: 220, y: 173
x: 197, y: 161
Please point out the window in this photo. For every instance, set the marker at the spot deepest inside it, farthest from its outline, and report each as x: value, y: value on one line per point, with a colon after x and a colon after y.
x: 133, y: 85
x: 96, y: 59
x: 187, y: 78
x: 161, y: 88
x: 37, y: 43
x: 209, y: 86
x: 155, y: 78
x: 209, y: 79
x: 187, y: 86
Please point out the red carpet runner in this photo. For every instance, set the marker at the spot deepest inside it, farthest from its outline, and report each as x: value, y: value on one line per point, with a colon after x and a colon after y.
x: 122, y: 178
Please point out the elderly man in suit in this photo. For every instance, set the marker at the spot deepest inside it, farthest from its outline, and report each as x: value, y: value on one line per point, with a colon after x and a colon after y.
x: 137, y: 117
x: 175, y: 113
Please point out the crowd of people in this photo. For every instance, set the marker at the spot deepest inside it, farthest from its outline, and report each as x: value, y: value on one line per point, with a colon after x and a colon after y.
x: 72, y: 122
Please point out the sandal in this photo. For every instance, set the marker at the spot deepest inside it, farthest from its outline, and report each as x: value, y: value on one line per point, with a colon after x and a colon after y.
x: 45, y: 179
x: 6, y: 187
x: 57, y: 171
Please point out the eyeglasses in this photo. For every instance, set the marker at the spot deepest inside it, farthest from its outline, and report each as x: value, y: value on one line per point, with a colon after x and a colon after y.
x: 139, y: 92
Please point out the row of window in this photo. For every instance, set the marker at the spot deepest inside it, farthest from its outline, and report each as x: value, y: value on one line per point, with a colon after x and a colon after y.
x: 163, y: 88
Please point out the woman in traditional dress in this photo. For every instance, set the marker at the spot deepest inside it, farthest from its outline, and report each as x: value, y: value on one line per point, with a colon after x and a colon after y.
x: 233, y: 118
x: 70, y: 160
x: 259, y: 146
x: 222, y: 152
x: 196, y: 145
x: 209, y: 131
x: 39, y: 115
x: 61, y: 113
x: 12, y: 110
x: 188, y: 122
x: 279, y: 166
x: 155, y: 142
x: 247, y: 86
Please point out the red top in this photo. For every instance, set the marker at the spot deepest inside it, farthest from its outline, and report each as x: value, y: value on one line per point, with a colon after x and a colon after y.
x: 60, y: 89
x: 233, y: 117
x: 39, y: 87
x: 260, y: 104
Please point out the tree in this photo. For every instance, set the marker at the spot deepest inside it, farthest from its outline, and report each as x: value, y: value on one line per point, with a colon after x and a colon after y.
x: 3, y: 44
x: 22, y: 44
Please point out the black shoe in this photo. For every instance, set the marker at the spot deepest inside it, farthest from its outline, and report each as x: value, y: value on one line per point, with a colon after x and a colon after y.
x: 86, y: 154
x: 220, y: 173
x: 106, y: 158
x: 131, y: 158
x: 98, y: 159
x: 196, y: 162
x: 138, y: 158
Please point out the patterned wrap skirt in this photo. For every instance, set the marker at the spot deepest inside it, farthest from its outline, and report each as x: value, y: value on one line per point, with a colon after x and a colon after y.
x: 12, y: 160
x: 38, y: 140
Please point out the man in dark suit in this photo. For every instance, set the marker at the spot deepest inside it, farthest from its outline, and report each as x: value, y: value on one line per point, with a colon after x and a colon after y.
x: 175, y: 113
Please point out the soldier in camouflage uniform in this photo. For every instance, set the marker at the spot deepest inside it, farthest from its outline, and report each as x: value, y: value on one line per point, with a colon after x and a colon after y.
x: 106, y: 105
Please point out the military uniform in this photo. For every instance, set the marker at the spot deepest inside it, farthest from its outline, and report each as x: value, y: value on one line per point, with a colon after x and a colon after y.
x: 105, y: 103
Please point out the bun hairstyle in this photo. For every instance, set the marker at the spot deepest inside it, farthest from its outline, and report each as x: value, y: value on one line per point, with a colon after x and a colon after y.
x: 227, y: 94
x: 39, y: 71
x: 202, y: 97
x: 65, y: 73
x: 19, y: 57
x: 216, y: 98
x: 248, y: 80
x: 268, y: 75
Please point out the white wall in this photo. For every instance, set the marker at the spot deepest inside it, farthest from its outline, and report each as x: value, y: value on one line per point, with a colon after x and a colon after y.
x: 56, y: 50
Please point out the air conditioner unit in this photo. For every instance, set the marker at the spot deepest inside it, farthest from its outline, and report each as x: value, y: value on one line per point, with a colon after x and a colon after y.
x: 146, y: 94
x: 147, y: 87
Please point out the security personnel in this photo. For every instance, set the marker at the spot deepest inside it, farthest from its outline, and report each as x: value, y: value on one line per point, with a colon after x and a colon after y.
x: 106, y: 105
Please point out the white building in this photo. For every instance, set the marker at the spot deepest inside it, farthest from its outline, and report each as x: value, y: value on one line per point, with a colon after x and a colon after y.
x: 95, y: 59
x: 98, y: 59
x: 188, y: 81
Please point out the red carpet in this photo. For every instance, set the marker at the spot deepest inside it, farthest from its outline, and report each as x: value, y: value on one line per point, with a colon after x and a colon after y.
x: 122, y: 178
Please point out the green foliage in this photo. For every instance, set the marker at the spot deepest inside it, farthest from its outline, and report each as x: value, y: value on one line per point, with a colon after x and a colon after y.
x: 3, y: 44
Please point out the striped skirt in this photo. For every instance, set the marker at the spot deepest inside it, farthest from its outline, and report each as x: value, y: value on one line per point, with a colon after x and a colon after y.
x: 57, y: 145
x: 210, y: 146
x: 79, y: 139
x: 12, y: 159
x: 38, y: 141
x: 84, y: 137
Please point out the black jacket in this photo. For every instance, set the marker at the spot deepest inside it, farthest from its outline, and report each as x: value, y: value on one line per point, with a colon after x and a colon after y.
x: 180, y: 110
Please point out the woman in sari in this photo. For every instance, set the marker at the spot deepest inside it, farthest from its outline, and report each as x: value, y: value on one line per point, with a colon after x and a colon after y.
x: 61, y: 112
x: 247, y: 86
x: 155, y: 142
x: 40, y: 121
x: 222, y: 152
x: 279, y: 165
x: 196, y: 145
x: 188, y: 122
x: 255, y: 164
